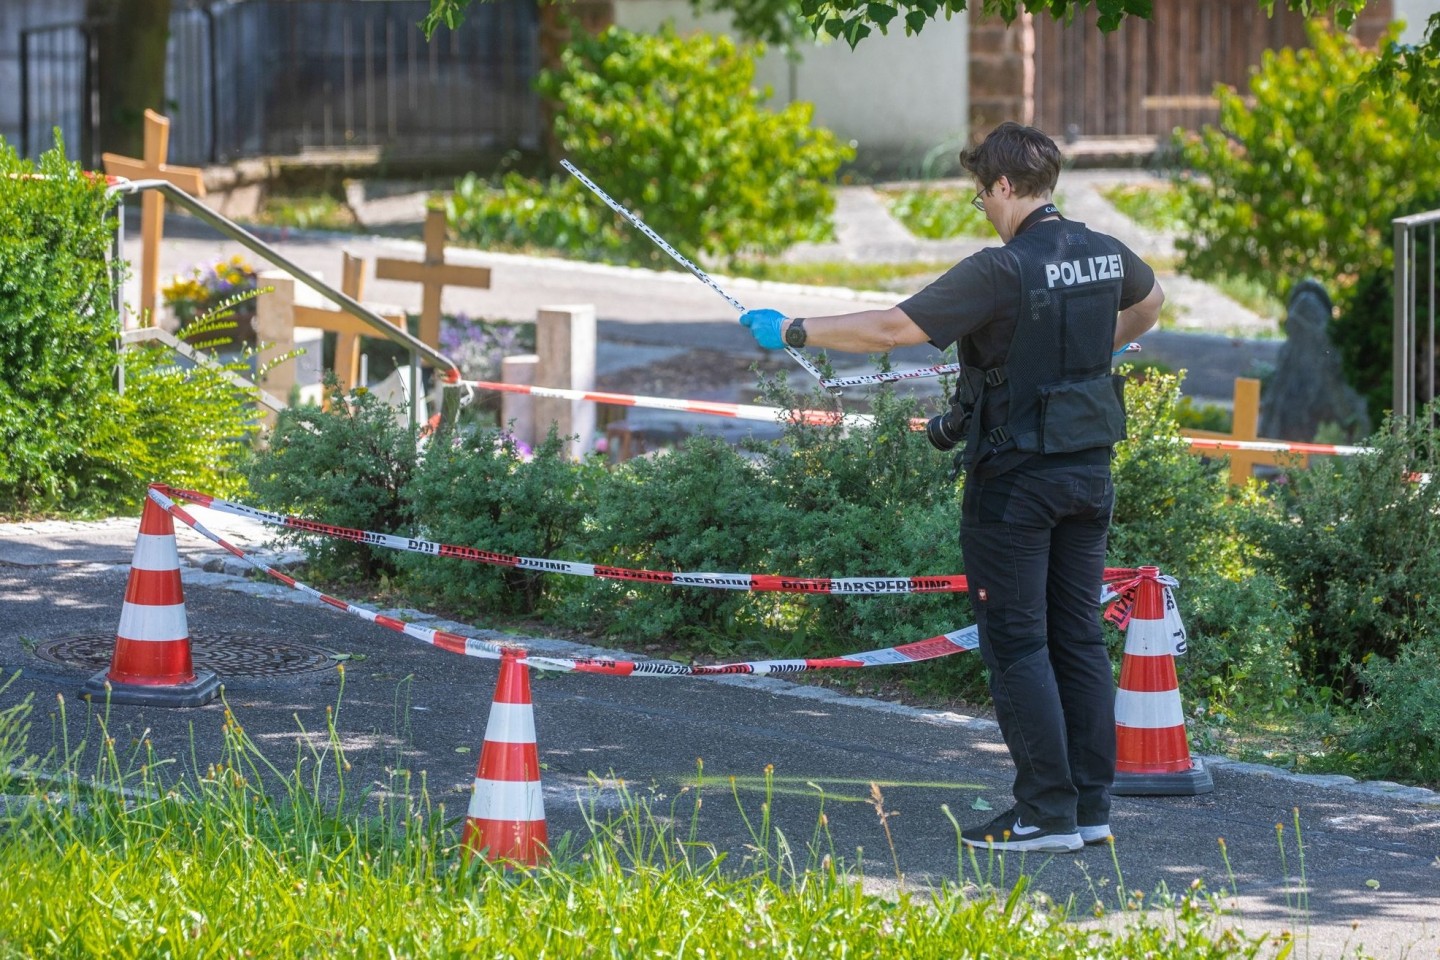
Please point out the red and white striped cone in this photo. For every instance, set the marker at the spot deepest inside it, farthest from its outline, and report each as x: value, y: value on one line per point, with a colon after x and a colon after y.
x: 506, y: 820
x: 151, y: 664
x: 1152, y: 752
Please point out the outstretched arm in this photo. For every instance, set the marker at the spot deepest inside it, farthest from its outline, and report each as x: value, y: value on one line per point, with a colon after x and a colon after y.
x: 867, y: 331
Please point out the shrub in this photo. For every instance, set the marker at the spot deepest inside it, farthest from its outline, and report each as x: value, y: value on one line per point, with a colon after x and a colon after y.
x: 72, y: 439
x: 1241, y: 657
x: 1358, y: 550
x: 671, y: 128
x: 1364, y: 331
x: 701, y: 507
x: 1364, y: 335
x: 1172, y: 508
x: 1178, y: 511
x: 1402, y: 694
x: 184, y: 424
x: 480, y: 492
x: 347, y: 465
x: 1295, y: 185
x: 863, y: 501
x: 57, y: 327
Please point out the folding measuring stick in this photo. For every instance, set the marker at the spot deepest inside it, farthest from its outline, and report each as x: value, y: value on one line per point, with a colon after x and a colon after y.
x: 796, y: 355
x: 679, y: 258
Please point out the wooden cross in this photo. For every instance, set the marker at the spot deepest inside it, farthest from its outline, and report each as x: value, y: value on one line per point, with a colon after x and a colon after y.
x: 1245, y: 425
x: 434, y: 273
x: 348, y: 329
x: 152, y: 204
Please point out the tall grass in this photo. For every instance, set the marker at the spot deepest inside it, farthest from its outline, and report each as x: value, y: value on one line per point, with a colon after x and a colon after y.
x: 136, y: 857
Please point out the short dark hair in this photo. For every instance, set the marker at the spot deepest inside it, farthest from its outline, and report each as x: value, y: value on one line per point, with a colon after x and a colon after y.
x: 1023, y: 155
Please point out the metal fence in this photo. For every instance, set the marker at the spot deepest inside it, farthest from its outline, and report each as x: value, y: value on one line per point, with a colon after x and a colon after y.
x: 264, y: 77
x: 57, y: 89
x: 1414, y: 355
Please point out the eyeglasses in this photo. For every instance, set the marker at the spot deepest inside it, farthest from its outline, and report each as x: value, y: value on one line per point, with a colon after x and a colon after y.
x: 978, y: 201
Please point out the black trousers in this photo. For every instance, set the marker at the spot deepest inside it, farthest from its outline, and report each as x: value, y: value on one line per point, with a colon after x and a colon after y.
x: 1034, y: 543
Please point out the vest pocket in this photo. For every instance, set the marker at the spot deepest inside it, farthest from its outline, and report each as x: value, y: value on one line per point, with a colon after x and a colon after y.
x: 1082, y: 414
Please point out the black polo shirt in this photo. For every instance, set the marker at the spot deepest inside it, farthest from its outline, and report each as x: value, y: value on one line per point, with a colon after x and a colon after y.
x: 976, y: 301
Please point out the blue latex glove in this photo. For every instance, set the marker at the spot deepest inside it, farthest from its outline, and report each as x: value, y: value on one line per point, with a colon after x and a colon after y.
x: 765, y: 327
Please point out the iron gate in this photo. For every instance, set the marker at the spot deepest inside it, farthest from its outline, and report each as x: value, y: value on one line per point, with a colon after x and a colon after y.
x: 263, y: 77
x: 58, y: 89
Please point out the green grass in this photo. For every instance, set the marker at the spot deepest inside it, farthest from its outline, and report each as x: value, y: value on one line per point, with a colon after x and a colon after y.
x: 311, y: 211
x: 1158, y: 207
x: 240, y: 858
x: 938, y: 214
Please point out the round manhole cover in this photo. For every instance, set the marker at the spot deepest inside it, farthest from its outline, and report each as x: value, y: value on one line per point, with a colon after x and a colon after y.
x: 228, y: 654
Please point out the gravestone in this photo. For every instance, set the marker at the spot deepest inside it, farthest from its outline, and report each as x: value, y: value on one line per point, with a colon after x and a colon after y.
x: 1309, y: 388
x: 565, y: 343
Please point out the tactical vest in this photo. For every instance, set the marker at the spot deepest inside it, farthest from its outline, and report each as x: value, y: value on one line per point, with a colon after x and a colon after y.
x: 1055, y: 393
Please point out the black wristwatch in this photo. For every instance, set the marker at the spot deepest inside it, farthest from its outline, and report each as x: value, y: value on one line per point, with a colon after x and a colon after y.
x: 795, y: 333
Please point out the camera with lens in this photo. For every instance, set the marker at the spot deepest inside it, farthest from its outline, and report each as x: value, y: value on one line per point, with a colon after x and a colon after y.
x: 945, y: 430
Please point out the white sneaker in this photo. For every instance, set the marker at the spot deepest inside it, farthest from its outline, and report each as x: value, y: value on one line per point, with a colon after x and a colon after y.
x: 1096, y: 834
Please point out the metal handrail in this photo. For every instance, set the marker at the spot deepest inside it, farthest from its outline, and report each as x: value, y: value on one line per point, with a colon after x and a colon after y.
x: 262, y: 249
x: 1407, y: 277
x: 148, y: 334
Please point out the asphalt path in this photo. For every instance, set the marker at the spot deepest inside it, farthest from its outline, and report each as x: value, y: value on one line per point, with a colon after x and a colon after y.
x: 1369, y: 878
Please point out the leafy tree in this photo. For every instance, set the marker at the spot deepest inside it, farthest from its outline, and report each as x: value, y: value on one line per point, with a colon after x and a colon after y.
x: 854, y: 20
x: 776, y: 23
x: 1413, y: 70
x: 1291, y: 184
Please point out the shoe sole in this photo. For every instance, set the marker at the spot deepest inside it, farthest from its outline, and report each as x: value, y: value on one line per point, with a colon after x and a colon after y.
x: 1053, y: 843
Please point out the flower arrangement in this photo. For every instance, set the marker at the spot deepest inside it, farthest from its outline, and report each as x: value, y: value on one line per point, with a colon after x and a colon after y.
x: 477, y: 345
x: 205, y: 288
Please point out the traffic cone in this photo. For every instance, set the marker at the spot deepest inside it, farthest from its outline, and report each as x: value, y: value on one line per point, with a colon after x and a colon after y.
x: 151, y: 664
x: 506, y: 820
x: 1152, y: 753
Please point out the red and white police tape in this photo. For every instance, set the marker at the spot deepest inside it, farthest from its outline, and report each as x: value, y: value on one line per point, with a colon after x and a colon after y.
x: 821, y: 418
x: 956, y: 641
x: 753, y: 582
x: 739, y: 411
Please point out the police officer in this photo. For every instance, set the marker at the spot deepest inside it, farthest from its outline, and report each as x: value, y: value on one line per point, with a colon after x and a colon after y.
x: 1038, y: 412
